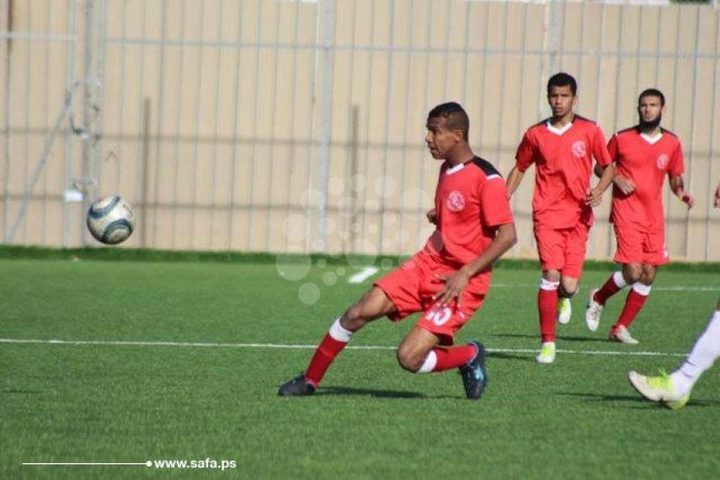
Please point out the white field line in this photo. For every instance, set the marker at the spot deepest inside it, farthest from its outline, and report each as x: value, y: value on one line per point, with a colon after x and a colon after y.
x: 363, y: 275
x: 678, y: 288
x: 123, y: 343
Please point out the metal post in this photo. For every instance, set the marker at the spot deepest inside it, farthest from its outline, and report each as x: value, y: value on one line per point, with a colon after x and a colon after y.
x: 326, y: 29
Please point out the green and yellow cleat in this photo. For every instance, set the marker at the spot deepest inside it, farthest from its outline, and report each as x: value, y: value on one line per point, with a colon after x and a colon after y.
x: 658, y: 389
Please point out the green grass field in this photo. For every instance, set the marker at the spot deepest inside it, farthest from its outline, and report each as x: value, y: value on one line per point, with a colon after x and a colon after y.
x: 120, y: 393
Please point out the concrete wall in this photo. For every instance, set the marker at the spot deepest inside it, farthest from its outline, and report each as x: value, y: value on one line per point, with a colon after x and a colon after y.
x: 226, y: 123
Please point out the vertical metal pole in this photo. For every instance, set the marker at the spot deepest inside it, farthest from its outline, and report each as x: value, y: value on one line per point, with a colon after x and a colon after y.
x: 69, y: 209
x: 273, y: 115
x: 693, y: 125
x: 389, y: 119
x: 198, y: 115
x: 711, y: 177
x: 86, y: 137
x: 235, y: 122
x: 8, y: 109
x: 256, y: 109
x: 326, y: 17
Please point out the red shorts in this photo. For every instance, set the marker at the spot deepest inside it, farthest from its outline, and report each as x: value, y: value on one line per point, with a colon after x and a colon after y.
x: 411, y: 288
x: 562, y: 249
x: 639, y: 246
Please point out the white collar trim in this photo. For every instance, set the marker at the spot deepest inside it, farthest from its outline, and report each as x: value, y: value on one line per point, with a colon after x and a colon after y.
x: 652, y: 140
x: 558, y: 131
x: 454, y: 169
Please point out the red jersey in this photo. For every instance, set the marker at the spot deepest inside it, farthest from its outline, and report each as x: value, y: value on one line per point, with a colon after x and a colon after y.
x: 563, y: 164
x: 470, y: 202
x: 644, y: 161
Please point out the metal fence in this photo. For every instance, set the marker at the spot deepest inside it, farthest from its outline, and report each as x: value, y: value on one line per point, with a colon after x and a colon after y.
x: 297, y: 126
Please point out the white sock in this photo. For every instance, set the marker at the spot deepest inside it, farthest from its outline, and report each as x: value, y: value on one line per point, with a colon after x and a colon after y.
x: 703, y: 354
x: 619, y: 280
x: 429, y: 363
x: 642, y: 289
x: 339, y: 333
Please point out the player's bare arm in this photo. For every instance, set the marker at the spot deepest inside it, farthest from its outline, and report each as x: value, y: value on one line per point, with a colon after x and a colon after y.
x: 595, y: 194
x: 513, y: 180
x: 677, y: 185
x: 505, y: 238
x: 625, y: 185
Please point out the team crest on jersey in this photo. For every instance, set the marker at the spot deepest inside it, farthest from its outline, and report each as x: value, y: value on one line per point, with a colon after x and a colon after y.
x: 578, y: 149
x: 662, y: 161
x: 455, y: 201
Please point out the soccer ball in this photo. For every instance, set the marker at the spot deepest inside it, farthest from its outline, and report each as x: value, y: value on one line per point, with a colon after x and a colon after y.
x: 111, y: 220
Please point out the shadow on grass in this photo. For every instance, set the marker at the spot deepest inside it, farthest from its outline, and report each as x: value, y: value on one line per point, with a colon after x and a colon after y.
x: 559, y: 337
x: 367, y: 392
x: 638, y: 401
x: 528, y: 357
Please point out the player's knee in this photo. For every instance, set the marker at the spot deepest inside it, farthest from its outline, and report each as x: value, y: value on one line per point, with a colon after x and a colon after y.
x: 353, y: 318
x: 551, y: 275
x: 568, y: 291
x: 407, y: 360
x: 632, y: 273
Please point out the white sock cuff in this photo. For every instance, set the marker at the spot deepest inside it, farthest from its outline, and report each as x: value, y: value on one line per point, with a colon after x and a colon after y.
x: 339, y: 333
x: 429, y: 363
x: 548, y: 285
x: 619, y: 279
x: 642, y: 289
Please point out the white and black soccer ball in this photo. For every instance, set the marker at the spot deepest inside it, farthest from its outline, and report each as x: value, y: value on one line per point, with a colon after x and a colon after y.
x: 111, y: 219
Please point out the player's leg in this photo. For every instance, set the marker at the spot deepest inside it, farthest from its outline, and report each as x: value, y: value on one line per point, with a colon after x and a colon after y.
x: 550, y: 245
x: 628, y: 253
x: 703, y: 354
x: 374, y: 304
x: 575, y: 244
x: 634, y: 302
x: 547, y: 300
x: 598, y: 297
x: 674, y: 390
x: 427, y: 348
x: 566, y: 291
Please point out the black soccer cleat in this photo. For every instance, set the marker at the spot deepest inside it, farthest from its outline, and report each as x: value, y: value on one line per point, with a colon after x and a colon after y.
x: 474, y: 375
x: 296, y: 387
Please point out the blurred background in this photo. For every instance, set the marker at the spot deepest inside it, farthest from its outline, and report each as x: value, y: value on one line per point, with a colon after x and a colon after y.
x: 298, y: 126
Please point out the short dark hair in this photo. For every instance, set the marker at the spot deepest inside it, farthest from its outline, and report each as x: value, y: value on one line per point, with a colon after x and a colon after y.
x: 562, y: 79
x: 652, y: 92
x: 457, y: 118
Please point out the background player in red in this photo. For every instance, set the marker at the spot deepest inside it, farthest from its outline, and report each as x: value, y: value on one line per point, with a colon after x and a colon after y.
x: 643, y: 155
x: 448, y: 279
x: 562, y: 148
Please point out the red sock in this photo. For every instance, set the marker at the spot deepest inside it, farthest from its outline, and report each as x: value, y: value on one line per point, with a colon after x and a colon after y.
x: 453, y: 357
x: 325, y: 353
x: 608, y: 289
x: 633, y: 304
x: 547, y: 308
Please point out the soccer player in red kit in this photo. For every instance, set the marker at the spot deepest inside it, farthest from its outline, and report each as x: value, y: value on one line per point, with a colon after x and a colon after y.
x: 562, y: 148
x: 643, y: 156
x: 448, y: 279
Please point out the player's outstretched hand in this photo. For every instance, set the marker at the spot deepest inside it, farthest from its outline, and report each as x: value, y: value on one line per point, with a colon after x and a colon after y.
x: 625, y: 185
x: 717, y: 196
